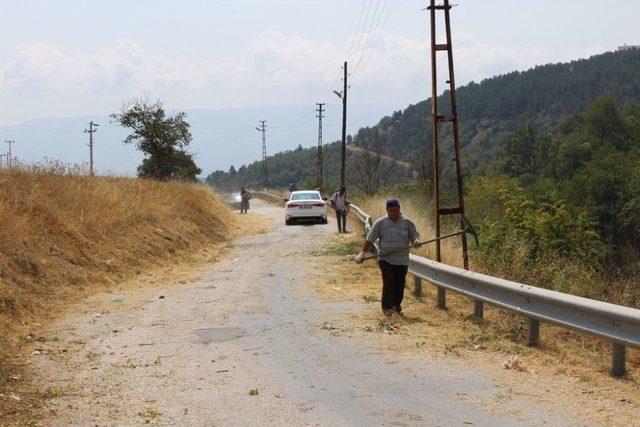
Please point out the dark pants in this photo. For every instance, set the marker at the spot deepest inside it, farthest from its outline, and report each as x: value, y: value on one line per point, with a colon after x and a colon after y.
x: 244, y: 206
x: 342, y: 218
x: 393, y: 281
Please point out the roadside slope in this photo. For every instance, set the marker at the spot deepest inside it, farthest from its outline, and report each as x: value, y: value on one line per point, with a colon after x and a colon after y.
x: 65, y: 236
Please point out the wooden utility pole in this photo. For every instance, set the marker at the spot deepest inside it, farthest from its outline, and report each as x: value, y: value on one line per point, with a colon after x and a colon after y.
x: 90, y: 131
x: 263, y: 128
x: 9, y: 155
x: 320, y: 166
x: 343, y: 95
x: 436, y: 119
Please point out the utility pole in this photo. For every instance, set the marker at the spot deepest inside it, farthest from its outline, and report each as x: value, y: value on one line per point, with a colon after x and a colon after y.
x: 263, y: 128
x: 343, y: 95
x: 319, y: 116
x: 9, y: 158
x: 437, y: 119
x: 90, y: 131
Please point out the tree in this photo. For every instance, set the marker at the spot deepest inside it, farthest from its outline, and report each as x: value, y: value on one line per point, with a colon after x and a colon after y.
x: 372, y: 169
x: 163, y: 139
x: 526, y: 153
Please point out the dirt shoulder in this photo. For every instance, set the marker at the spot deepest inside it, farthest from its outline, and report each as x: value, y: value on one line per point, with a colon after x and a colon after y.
x: 22, y: 396
x: 568, y: 372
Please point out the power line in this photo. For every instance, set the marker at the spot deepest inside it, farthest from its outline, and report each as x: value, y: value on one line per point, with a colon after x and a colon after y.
x: 46, y: 132
x: 373, y: 37
x: 307, y: 113
x: 377, y: 38
x: 360, y: 37
x: 356, y: 34
x: 368, y: 37
x: 362, y: 33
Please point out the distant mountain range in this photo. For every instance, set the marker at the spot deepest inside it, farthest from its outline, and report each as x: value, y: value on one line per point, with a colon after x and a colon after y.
x: 221, y: 137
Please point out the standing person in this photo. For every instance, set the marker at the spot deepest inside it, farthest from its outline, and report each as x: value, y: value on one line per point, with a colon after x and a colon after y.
x: 341, y: 205
x: 395, y: 234
x: 293, y: 187
x: 245, y: 196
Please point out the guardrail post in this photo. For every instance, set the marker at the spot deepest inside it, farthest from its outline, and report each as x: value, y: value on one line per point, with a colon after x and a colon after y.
x: 618, y: 360
x: 417, y: 286
x: 534, y: 333
x: 478, y: 309
x: 442, y: 298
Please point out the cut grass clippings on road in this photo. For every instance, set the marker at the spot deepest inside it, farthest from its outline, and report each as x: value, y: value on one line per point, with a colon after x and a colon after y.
x: 569, y: 371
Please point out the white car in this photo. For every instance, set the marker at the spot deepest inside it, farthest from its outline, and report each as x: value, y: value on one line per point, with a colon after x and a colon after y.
x: 305, y: 206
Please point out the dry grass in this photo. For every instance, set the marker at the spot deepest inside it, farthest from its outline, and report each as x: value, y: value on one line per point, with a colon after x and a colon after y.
x: 569, y: 371
x: 63, y: 236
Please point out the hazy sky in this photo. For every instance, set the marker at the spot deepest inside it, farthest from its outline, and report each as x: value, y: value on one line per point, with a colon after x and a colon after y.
x: 75, y: 58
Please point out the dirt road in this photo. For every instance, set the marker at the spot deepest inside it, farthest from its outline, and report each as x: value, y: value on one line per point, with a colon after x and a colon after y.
x: 251, y: 344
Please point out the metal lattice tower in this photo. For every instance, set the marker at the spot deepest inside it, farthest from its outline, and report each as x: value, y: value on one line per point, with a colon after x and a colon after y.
x: 10, y: 153
x: 91, y: 131
x: 263, y: 128
x: 436, y: 120
x: 320, y: 166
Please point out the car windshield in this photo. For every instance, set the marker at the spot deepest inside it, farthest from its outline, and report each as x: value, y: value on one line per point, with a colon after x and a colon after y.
x: 305, y: 196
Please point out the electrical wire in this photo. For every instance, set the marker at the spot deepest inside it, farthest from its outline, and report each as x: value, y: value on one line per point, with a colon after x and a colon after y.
x: 375, y: 44
x: 369, y: 33
x: 356, y: 32
x: 364, y: 25
x: 373, y: 40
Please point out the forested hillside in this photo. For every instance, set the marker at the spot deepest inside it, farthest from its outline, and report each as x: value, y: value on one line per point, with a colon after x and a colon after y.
x: 492, y: 109
x: 566, y: 201
x: 367, y: 172
x: 489, y: 112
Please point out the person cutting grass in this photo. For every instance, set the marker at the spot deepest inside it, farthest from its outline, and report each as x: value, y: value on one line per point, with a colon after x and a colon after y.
x: 395, y: 234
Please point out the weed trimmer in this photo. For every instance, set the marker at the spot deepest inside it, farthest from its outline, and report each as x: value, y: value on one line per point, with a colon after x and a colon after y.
x: 468, y: 229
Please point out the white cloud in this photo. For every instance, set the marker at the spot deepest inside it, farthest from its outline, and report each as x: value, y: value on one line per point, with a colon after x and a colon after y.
x: 275, y: 69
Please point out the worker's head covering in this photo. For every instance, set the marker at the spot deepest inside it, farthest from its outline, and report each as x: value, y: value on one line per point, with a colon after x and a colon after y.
x: 343, y: 189
x: 392, y: 203
x: 242, y: 188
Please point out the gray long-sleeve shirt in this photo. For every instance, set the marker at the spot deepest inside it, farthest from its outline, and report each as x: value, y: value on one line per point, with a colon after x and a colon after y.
x: 393, y: 235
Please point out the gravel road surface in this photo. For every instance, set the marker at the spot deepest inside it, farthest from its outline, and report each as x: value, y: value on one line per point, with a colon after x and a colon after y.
x: 252, y: 344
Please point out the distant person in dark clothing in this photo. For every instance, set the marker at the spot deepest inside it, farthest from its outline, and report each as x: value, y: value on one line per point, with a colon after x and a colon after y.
x: 293, y: 187
x: 245, y: 196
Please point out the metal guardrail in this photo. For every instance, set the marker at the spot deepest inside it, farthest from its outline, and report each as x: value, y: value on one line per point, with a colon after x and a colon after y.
x: 618, y: 324
x: 362, y: 216
x: 274, y: 198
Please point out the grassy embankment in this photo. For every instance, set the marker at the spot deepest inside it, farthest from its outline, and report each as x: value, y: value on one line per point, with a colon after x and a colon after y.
x: 65, y: 236
x: 573, y: 367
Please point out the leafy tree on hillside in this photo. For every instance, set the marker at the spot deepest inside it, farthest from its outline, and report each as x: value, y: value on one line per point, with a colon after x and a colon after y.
x: 526, y: 153
x: 371, y: 169
x: 163, y: 140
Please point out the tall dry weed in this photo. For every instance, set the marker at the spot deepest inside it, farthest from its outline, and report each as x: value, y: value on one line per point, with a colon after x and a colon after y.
x: 64, y: 234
